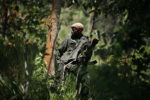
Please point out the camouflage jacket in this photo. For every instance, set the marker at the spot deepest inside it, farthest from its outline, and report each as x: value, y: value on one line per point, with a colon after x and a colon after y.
x: 72, y: 49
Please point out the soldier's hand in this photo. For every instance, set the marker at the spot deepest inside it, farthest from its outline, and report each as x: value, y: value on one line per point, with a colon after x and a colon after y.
x: 94, y: 42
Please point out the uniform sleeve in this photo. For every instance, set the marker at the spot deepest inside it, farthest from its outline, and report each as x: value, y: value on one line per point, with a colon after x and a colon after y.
x: 86, y: 52
x: 61, y: 49
x: 90, y: 49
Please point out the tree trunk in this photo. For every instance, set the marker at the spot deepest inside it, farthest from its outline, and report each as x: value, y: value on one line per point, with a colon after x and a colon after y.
x: 91, y: 24
x: 53, y: 23
x: 92, y: 20
x: 26, y: 86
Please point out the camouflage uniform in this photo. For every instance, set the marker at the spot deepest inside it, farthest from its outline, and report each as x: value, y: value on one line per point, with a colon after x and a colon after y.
x: 75, y: 51
x: 73, y: 56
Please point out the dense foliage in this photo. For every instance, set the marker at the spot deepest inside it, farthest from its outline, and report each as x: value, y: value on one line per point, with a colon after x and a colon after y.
x: 122, y: 71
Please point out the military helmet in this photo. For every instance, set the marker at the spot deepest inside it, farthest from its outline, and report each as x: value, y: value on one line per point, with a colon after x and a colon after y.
x: 77, y: 25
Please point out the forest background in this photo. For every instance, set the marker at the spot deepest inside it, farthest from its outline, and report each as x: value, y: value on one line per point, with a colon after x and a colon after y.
x: 122, y: 71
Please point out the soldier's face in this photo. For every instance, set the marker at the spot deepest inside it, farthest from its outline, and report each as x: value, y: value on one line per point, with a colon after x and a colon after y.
x: 74, y: 30
x: 76, y: 33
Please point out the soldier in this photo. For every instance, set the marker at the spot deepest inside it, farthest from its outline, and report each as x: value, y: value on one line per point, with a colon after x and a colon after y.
x: 74, y: 52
